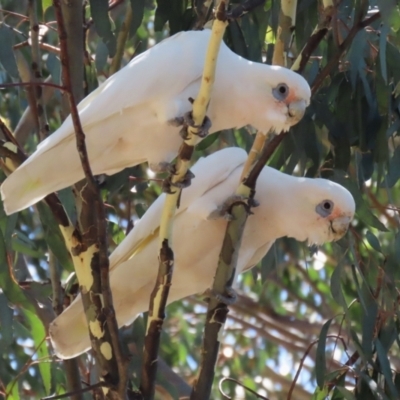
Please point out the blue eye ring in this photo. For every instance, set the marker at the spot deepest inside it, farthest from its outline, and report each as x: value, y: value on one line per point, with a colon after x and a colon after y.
x: 281, y: 92
x: 324, y: 208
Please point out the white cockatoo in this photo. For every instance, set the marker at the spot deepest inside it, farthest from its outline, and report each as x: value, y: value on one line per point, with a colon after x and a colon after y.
x: 132, y: 117
x: 316, y: 210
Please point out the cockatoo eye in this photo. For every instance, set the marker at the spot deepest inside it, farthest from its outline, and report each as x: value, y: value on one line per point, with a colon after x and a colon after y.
x: 324, y: 208
x: 281, y: 91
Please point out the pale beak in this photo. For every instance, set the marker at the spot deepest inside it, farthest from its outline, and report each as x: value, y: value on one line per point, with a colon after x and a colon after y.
x: 340, y: 226
x: 296, y: 110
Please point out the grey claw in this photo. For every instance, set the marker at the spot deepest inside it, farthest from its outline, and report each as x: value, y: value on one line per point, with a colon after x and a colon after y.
x: 253, y: 203
x: 182, y: 184
x: 224, y: 211
x: 313, y: 249
x: 227, y: 298
x: 167, y: 186
x: 160, y: 167
x: 187, y: 120
x: 178, y: 121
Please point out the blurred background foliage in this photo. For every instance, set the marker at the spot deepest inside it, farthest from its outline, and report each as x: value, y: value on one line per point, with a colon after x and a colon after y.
x: 309, y: 323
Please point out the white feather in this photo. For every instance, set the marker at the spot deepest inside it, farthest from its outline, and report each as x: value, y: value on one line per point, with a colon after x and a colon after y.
x: 287, y: 208
x: 127, y: 119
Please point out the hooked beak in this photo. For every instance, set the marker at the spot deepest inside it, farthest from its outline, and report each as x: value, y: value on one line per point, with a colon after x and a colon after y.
x: 340, y: 226
x: 296, y: 111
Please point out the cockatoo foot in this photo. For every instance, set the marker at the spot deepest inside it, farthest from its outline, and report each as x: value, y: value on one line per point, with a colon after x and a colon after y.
x: 182, y: 184
x: 160, y: 167
x: 224, y: 211
x: 229, y: 298
x: 313, y: 249
x: 187, y: 120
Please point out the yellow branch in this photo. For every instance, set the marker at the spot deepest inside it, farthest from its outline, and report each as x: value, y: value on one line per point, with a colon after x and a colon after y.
x: 159, y: 295
x: 199, y: 112
x: 286, y: 24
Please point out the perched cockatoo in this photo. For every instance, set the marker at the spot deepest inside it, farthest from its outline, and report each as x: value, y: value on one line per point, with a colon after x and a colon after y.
x: 316, y: 210
x: 132, y: 117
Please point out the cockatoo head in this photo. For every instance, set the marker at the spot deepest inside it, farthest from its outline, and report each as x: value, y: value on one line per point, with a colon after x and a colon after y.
x: 325, y: 210
x: 284, y: 96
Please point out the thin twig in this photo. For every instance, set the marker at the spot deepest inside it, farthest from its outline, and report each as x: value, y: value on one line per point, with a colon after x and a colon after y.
x: 342, y: 48
x: 250, y: 181
x: 292, y: 386
x: 53, y: 85
x: 239, y: 384
x: 43, y: 46
x: 314, y: 40
x: 75, y: 392
x: 7, y: 133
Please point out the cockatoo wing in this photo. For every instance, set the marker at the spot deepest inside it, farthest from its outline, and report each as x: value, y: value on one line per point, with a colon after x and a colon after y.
x: 219, y: 167
x: 125, y: 121
x: 145, y: 85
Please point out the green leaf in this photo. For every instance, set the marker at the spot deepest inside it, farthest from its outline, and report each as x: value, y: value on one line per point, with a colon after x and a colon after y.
x: 46, y: 4
x: 373, y: 241
x: 7, y: 58
x: 38, y: 332
x: 369, y: 315
x: 382, y: 50
x: 102, y: 23
x: 208, y: 141
x: 336, y: 288
x: 12, y: 291
x: 15, y: 295
x: 138, y: 13
x: 346, y: 393
x: 394, y: 168
x: 21, y: 245
x: 169, y: 11
x: 6, y: 320
x: 53, y: 64
x: 373, y: 387
x: 320, y: 394
x: 363, y: 210
x: 101, y: 56
x: 12, y: 391
x: 386, y: 369
x: 54, y: 238
x: 320, y: 362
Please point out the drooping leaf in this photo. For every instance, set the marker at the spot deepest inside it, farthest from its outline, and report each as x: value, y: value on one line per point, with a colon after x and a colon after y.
x: 102, y: 23
x: 138, y: 13
x: 7, y: 59
x: 54, y: 237
x: 320, y: 362
x: 386, y: 368
x: 38, y: 332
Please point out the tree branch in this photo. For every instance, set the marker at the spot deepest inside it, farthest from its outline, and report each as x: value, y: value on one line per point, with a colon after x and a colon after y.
x: 89, y: 249
x: 121, y: 39
x: 317, y: 35
x: 166, y: 255
x: 342, y: 48
x: 36, y: 70
x: 285, y: 32
x: 226, y: 270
